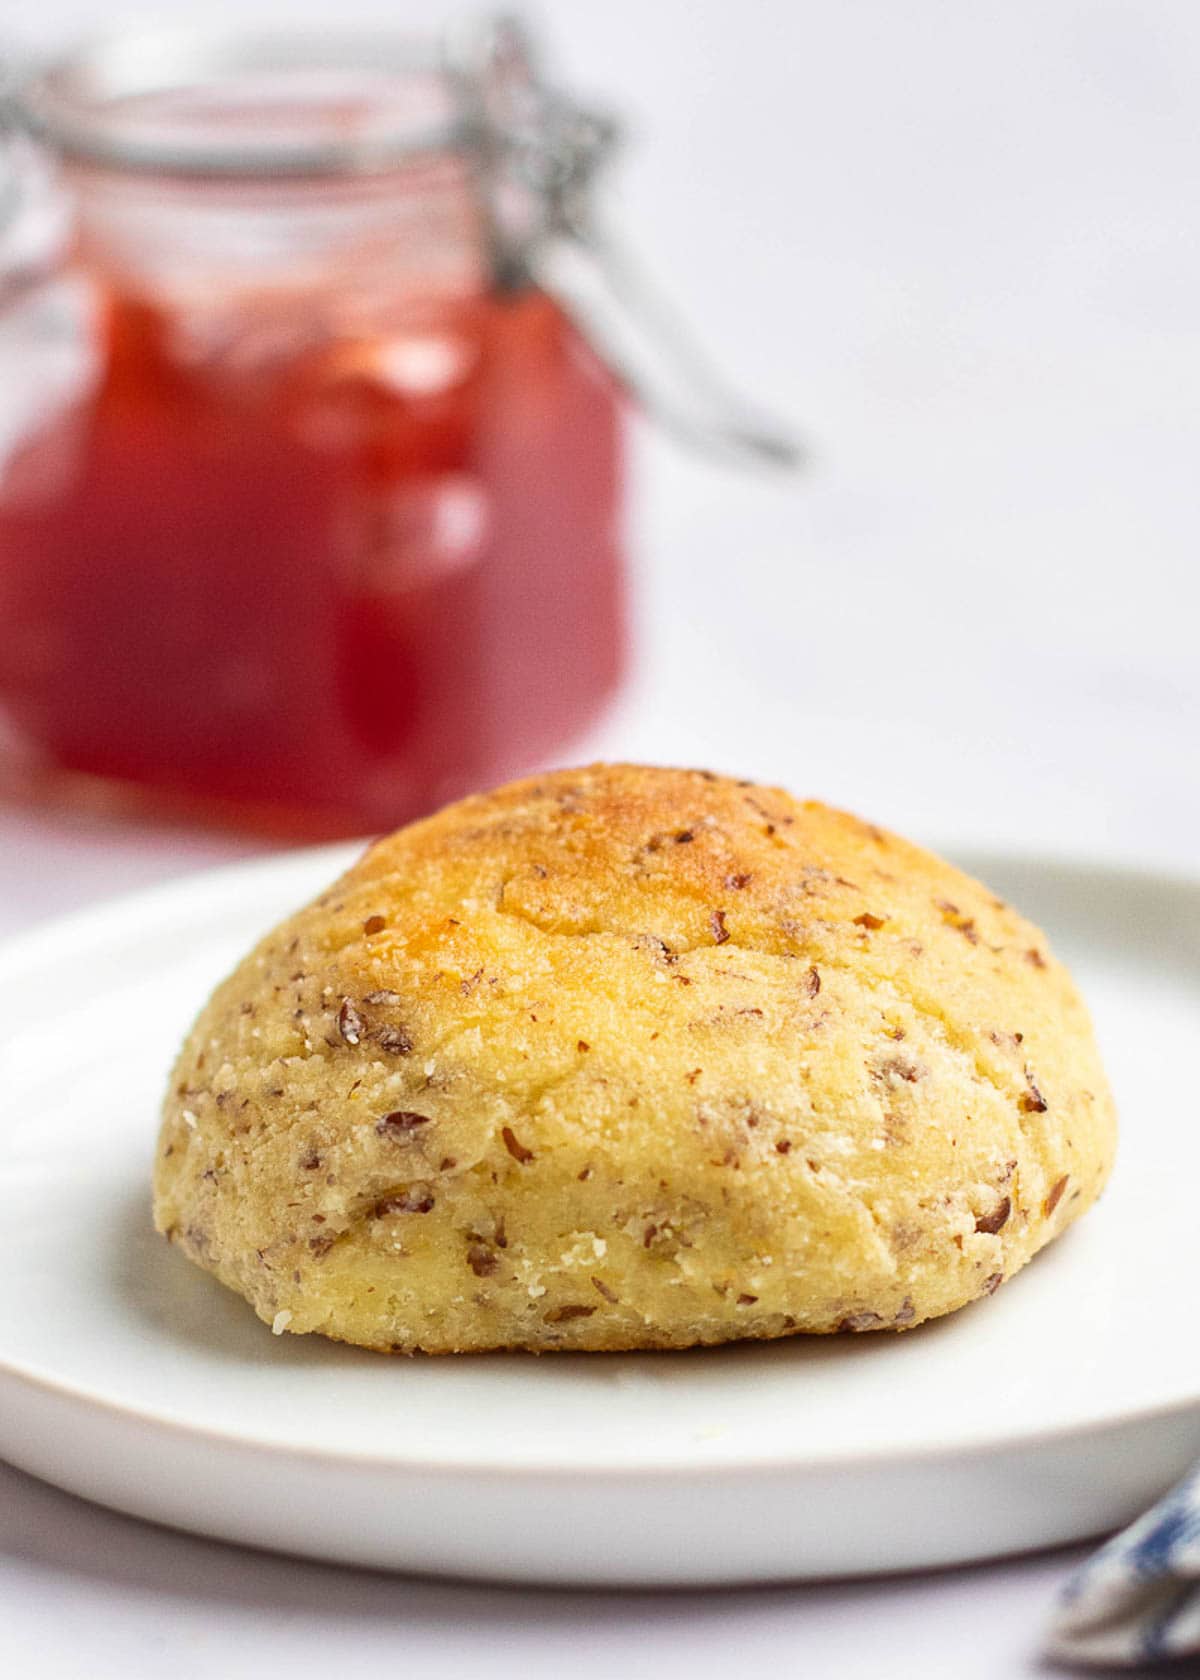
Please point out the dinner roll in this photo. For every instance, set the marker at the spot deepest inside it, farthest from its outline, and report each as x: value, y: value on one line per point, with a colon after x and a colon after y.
x: 624, y: 1057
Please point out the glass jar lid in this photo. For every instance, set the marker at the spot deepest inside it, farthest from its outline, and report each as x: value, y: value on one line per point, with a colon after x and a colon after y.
x: 210, y: 102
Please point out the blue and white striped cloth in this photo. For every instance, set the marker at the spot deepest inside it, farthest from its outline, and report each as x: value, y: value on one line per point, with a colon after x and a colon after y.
x: 1138, y: 1600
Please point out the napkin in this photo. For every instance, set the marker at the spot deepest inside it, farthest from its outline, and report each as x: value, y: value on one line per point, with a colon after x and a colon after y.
x: 1138, y: 1599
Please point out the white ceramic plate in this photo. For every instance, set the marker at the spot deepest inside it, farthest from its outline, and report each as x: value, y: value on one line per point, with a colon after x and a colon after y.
x: 1052, y: 1411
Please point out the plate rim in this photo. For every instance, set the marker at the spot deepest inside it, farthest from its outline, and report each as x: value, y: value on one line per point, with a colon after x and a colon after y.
x: 913, y: 1456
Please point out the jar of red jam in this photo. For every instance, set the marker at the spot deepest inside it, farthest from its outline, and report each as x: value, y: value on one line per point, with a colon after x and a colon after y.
x: 310, y: 486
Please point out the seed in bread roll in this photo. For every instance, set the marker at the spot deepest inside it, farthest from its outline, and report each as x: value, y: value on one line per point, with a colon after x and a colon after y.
x: 624, y: 1057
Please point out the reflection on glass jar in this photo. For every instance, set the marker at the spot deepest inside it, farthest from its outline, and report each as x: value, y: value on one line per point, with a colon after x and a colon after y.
x: 301, y: 514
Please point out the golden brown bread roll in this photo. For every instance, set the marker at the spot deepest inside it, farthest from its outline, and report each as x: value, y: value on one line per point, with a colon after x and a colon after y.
x: 625, y: 1057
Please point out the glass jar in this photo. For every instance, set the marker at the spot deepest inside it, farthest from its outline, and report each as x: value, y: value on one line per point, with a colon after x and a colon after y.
x: 310, y: 492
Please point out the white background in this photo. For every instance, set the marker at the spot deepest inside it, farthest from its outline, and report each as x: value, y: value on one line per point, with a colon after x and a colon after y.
x: 960, y: 245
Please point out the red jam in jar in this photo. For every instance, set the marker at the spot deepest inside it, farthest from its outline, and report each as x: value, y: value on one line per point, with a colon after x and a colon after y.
x: 321, y: 525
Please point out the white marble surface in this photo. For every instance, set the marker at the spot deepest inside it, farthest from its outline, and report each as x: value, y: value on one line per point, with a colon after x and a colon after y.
x: 962, y: 246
